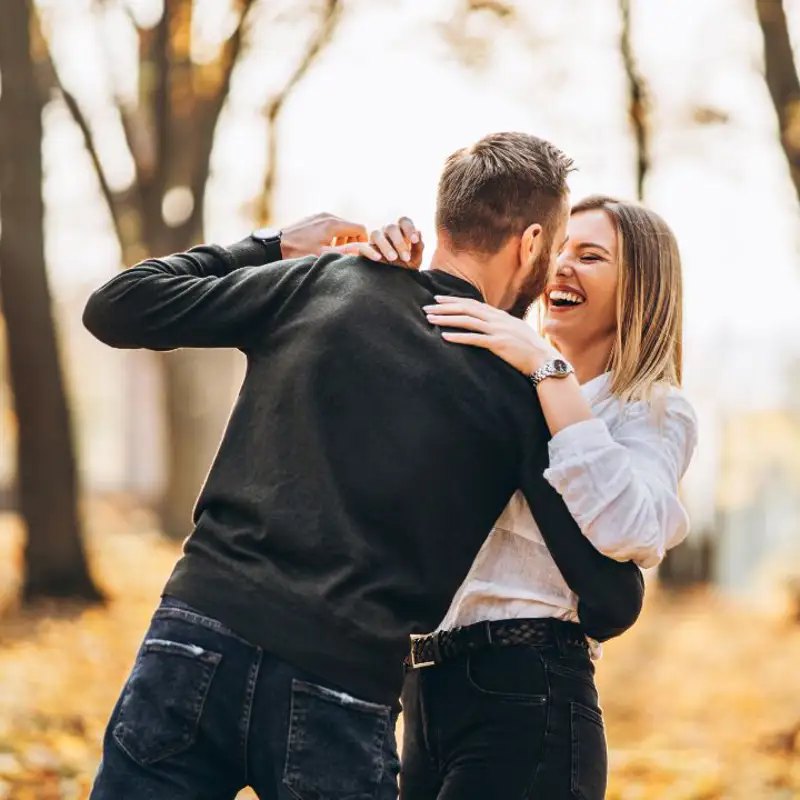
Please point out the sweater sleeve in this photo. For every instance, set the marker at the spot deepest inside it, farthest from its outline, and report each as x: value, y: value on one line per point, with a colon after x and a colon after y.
x: 622, y: 487
x: 209, y: 296
x: 610, y: 592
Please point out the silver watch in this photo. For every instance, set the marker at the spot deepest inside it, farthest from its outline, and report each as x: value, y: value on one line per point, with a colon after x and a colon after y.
x: 555, y: 368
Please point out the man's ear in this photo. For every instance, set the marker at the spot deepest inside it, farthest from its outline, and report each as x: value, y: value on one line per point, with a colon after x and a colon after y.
x: 530, y: 245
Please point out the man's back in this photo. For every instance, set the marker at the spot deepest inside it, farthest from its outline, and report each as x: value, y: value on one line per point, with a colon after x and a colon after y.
x: 364, y: 463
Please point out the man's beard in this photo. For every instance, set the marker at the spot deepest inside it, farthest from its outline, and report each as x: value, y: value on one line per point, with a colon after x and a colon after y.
x: 535, y: 283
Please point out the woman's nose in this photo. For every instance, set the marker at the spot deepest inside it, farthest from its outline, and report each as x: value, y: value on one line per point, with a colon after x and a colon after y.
x: 564, y: 268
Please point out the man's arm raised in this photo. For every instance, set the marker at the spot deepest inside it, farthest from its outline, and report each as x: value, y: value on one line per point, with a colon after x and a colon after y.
x: 209, y: 296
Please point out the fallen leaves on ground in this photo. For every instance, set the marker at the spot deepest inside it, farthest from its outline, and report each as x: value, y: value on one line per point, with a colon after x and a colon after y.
x: 702, y: 698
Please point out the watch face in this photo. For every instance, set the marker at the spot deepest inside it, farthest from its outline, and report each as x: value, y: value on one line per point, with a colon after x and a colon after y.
x: 266, y: 234
x: 561, y: 367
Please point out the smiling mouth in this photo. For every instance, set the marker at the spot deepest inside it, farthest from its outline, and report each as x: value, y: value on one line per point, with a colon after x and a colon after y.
x: 562, y: 299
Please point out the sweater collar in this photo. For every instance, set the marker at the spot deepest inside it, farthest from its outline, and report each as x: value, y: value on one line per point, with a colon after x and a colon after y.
x: 464, y: 288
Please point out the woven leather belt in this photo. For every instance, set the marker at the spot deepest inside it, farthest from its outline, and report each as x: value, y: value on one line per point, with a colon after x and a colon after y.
x: 434, y: 648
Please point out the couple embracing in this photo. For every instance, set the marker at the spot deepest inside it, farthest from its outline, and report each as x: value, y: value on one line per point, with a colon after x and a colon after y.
x: 420, y: 501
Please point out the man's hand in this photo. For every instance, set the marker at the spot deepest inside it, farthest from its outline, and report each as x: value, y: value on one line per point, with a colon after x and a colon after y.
x: 310, y: 235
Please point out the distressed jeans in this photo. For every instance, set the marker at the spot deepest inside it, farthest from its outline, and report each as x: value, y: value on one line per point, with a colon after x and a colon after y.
x: 205, y: 714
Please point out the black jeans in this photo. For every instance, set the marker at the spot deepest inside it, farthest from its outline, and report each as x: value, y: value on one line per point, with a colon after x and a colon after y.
x: 511, y: 723
x: 204, y: 714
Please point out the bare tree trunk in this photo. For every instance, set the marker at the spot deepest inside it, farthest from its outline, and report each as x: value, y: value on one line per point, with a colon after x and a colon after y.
x: 198, y: 397
x: 55, y: 561
x: 689, y: 563
x: 638, y: 107
x: 783, y: 82
x: 170, y: 134
x: 330, y: 15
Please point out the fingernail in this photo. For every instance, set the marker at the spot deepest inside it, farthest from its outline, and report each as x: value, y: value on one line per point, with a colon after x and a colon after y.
x: 405, y: 256
x: 392, y: 255
x: 414, y: 238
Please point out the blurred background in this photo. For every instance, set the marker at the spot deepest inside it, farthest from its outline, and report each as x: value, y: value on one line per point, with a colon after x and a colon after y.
x: 139, y: 127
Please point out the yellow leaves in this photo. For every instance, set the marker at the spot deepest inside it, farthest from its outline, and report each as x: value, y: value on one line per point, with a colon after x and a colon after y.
x: 677, y: 774
x: 701, y: 699
x: 695, y: 696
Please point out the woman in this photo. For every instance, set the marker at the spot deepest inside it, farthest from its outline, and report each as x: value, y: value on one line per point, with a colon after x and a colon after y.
x: 524, y: 721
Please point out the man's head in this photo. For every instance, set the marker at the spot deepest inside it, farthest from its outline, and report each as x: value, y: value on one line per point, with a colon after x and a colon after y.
x: 502, y: 207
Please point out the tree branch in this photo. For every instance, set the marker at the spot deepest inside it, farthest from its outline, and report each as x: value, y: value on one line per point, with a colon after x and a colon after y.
x: 208, y: 119
x: 88, y: 140
x: 780, y: 72
x: 161, y: 109
x: 331, y: 14
x: 53, y: 80
x: 499, y: 9
x: 638, y: 110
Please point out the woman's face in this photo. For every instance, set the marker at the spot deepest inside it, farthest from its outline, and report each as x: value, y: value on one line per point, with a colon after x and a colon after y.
x: 581, y: 298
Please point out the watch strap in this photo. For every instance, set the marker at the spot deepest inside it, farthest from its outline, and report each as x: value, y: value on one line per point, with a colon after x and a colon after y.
x: 271, y: 245
x: 555, y: 368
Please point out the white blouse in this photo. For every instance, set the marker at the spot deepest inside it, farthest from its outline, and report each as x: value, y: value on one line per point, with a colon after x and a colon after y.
x: 618, y: 474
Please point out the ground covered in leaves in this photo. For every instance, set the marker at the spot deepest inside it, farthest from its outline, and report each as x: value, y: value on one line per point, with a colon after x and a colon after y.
x: 702, y: 699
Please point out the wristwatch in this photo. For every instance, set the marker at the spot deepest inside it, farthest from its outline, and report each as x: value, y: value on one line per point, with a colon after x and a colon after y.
x: 270, y: 238
x: 555, y: 368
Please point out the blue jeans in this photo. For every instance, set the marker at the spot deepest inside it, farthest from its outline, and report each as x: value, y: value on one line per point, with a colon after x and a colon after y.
x: 205, y: 713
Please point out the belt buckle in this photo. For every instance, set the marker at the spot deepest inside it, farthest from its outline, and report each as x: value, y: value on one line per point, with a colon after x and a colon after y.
x: 415, y: 637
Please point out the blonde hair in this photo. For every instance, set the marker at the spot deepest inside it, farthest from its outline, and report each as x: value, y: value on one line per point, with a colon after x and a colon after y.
x: 648, y: 349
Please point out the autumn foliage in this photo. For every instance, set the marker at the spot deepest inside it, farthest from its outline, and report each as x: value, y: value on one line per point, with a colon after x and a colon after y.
x: 702, y: 700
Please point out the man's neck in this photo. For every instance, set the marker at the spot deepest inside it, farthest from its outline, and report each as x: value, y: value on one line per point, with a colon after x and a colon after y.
x: 469, y: 269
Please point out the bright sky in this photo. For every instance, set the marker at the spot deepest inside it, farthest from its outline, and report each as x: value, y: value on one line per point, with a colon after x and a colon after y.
x: 367, y: 131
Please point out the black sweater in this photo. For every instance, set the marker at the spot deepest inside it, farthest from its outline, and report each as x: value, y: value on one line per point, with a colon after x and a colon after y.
x: 364, y: 463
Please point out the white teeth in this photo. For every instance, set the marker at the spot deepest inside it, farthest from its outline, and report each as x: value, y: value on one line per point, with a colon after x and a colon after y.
x: 567, y: 297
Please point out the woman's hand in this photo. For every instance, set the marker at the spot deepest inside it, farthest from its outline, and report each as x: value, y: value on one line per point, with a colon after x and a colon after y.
x: 512, y: 339
x: 398, y: 243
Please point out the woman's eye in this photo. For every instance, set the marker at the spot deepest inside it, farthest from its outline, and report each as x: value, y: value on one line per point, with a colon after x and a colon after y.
x: 590, y: 257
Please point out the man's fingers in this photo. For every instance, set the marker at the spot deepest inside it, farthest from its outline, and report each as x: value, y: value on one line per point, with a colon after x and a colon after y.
x: 354, y: 249
x: 338, y: 228
x: 398, y: 240
x: 341, y: 249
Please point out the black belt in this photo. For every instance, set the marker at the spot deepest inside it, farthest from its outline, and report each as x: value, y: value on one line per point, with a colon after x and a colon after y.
x: 433, y: 648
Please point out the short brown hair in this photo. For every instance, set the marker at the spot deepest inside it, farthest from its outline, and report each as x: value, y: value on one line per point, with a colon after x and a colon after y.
x: 497, y: 187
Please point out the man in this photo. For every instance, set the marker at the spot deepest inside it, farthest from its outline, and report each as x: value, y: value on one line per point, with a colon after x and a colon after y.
x: 363, y: 465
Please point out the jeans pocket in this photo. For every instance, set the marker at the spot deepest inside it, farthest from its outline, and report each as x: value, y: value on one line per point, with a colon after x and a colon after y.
x: 514, y: 674
x: 337, y: 745
x: 163, y: 700
x: 589, y: 753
